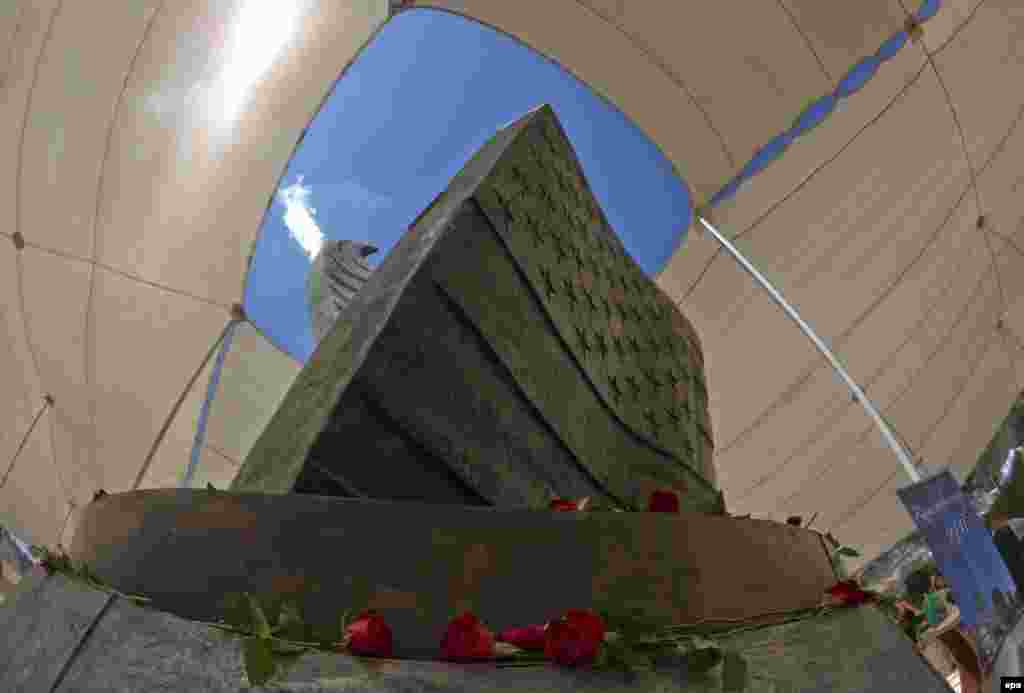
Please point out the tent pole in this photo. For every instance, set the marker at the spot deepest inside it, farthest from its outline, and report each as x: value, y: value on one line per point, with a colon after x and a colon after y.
x: 204, y: 413
x: 858, y: 394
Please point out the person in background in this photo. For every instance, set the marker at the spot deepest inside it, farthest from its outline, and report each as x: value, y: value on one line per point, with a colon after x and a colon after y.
x: 936, y: 601
x: 911, y: 621
x: 909, y: 618
x: 1009, y: 546
x: 918, y: 584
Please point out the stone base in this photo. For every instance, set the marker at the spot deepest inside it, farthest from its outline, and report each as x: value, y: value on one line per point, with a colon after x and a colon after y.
x: 418, y: 564
x: 59, y: 637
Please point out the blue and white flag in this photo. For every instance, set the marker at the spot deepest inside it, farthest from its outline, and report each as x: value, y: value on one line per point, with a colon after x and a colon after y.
x: 966, y: 556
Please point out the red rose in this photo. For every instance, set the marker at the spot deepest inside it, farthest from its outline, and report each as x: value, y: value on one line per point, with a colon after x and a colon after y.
x: 574, y: 639
x: 528, y: 638
x: 567, y: 504
x: 467, y: 638
x: 369, y: 635
x: 663, y: 501
x: 848, y: 592
x: 563, y: 504
x: 590, y: 622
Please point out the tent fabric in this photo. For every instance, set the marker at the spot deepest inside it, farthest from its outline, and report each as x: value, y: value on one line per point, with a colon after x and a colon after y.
x: 850, y: 160
x: 868, y: 171
x: 142, y: 141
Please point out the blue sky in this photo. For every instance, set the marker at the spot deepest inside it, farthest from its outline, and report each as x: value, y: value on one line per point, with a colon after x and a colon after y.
x: 425, y: 95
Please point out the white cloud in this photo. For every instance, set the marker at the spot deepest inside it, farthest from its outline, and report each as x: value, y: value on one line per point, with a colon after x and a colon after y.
x: 300, y: 214
x: 300, y: 217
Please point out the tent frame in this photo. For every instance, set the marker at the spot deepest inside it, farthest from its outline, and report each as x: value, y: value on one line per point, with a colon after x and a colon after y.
x: 858, y: 394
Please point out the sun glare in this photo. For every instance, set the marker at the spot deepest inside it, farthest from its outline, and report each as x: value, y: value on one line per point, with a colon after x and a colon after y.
x: 256, y: 38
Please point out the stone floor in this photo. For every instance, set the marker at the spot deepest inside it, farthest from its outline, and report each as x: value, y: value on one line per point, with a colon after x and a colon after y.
x: 57, y: 636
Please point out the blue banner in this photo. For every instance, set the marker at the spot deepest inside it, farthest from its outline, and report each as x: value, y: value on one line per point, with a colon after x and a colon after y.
x: 15, y: 550
x: 965, y: 555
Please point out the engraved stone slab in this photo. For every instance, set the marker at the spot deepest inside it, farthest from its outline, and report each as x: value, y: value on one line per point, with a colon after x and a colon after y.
x: 506, y: 351
x: 637, y: 349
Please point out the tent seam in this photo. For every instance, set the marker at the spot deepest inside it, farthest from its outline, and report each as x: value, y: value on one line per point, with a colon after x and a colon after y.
x: 909, y: 385
x: 129, y: 275
x: 857, y: 322
x: 906, y: 389
x: 19, y: 164
x: 812, y: 175
x: 930, y: 431
x: 69, y: 498
x: 883, y: 367
x: 658, y: 62
x: 974, y: 177
x: 718, y: 251
x: 998, y: 151
x: 855, y: 509
x: 807, y: 41
x: 29, y: 342
x: 227, y: 458
x: 14, y: 40
x: 89, y: 355
x: 949, y: 407
x: 176, y: 407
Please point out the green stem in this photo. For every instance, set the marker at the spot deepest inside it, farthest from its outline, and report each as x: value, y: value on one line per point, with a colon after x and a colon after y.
x: 245, y: 633
x: 81, y: 579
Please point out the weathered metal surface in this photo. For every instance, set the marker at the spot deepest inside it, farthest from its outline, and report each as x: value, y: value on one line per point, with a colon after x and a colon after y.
x: 276, y: 461
x: 512, y: 320
x: 522, y: 397
x: 441, y: 382
x: 636, y: 347
x: 133, y: 649
x: 337, y: 274
x: 346, y: 458
x: 420, y: 563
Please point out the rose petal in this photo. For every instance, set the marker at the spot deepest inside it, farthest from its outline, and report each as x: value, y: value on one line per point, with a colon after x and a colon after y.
x: 859, y: 597
x: 568, y: 644
x: 467, y: 638
x: 844, y: 588
x: 849, y: 592
x: 563, y: 505
x: 528, y: 638
x: 663, y: 501
x: 369, y: 635
x: 589, y: 622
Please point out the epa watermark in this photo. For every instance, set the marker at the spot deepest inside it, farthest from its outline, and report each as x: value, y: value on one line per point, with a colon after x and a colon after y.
x: 1011, y: 683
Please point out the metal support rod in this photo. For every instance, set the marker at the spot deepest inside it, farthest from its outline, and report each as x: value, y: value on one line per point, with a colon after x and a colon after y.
x: 47, y: 403
x: 211, y: 391
x: 887, y: 434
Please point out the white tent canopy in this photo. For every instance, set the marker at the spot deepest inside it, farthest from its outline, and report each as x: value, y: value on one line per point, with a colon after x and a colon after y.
x: 143, y: 139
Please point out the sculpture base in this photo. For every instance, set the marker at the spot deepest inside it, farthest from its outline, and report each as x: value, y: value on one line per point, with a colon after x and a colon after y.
x: 419, y: 563
x: 61, y: 637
